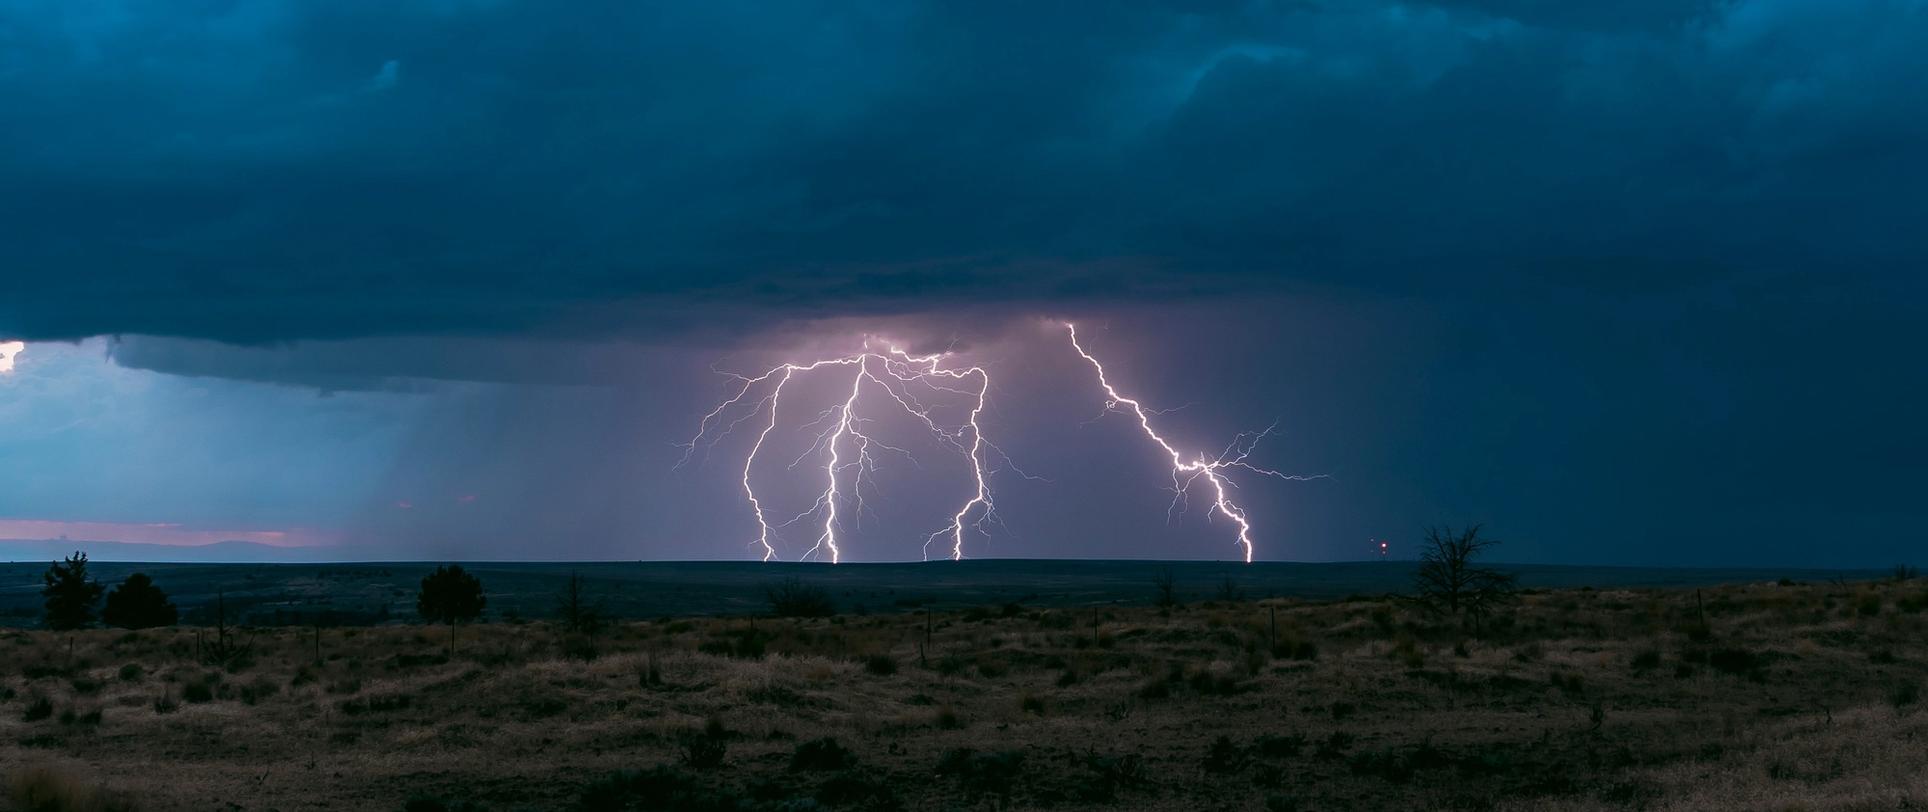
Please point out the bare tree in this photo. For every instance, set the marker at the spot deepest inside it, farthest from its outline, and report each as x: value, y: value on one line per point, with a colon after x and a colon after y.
x: 791, y: 597
x: 1167, y: 589
x: 578, y: 614
x: 1449, y: 582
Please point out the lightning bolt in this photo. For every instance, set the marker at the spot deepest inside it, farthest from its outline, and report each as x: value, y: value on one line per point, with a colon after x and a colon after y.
x: 848, y: 451
x: 1186, y: 472
x: 847, y: 446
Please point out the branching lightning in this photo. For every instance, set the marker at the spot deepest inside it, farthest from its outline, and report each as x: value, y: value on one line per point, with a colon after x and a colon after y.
x: 848, y: 446
x: 848, y: 451
x: 1186, y: 472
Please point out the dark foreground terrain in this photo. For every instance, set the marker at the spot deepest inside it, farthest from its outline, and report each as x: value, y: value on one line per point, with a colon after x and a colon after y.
x: 1764, y: 696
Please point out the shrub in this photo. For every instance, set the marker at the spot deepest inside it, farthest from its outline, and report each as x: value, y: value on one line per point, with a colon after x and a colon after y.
x: 861, y: 791
x: 1295, y: 649
x: 1211, y: 683
x: 1905, y: 694
x: 947, y: 719
x: 1568, y: 682
x: 990, y: 773
x: 74, y: 716
x: 1276, y: 746
x: 1646, y: 660
x: 260, y: 688
x: 1224, y: 756
x: 1229, y: 591
x: 650, y: 675
x: 1335, y: 745
x: 1869, y: 605
x: 742, y: 644
x: 1031, y: 703
x: 1407, y: 652
x: 822, y: 754
x: 580, y: 647
x: 138, y: 604
x: 791, y: 597
x: 197, y: 692
x: 882, y: 665
x: 165, y: 704
x: 704, y: 750
x: 1736, y: 661
x: 38, y: 708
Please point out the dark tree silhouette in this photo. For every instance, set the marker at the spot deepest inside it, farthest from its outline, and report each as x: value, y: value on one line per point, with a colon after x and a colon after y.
x: 791, y: 597
x: 138, y: 604
x: 450, y: 595
x: 1166, y: 590
x: 1449, y: 582
x: 70, y: 594
x: 577, y: 613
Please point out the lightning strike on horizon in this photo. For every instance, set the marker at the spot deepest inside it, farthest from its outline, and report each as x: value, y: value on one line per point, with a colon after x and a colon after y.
x: 1185, y: 472
x: 846, y: 446
x: 893, y: 371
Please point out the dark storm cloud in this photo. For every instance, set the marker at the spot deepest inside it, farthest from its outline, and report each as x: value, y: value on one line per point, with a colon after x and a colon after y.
x: 256, y: 172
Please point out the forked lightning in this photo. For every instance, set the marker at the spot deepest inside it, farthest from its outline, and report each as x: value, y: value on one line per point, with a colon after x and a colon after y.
x: 908, y: 381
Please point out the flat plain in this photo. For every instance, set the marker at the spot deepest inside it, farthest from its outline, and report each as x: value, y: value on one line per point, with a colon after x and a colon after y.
x: 1773, y: 694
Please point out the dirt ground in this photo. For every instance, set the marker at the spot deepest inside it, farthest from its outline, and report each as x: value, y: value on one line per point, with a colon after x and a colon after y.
x: 1765, y: 696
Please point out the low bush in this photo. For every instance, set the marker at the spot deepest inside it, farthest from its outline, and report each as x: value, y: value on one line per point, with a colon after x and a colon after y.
x: 882, y: 665
x: 822, y: 754
x: 792, y: 597
x: 983, y: 773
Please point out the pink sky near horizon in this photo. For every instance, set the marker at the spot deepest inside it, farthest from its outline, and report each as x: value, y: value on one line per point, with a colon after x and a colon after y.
x: 167, y: 533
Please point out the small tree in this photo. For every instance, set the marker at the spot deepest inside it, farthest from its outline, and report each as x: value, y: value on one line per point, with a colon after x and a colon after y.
x: 1166, y: 588
x: 138, y: 604
x: 450, y: 595
x: 70, y: 595
x: 577, y: 613
x: 1448, y: 581
x: 791, y: 597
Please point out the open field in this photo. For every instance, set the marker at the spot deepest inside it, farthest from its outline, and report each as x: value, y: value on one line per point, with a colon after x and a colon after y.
x: 370, y: 593
x: 1764, y: 696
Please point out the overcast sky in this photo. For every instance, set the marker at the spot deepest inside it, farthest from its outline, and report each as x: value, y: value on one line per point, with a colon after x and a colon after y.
x: 1631, y: 282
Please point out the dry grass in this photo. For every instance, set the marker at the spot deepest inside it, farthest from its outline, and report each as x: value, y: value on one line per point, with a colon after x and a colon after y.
x: 1795, y: 697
